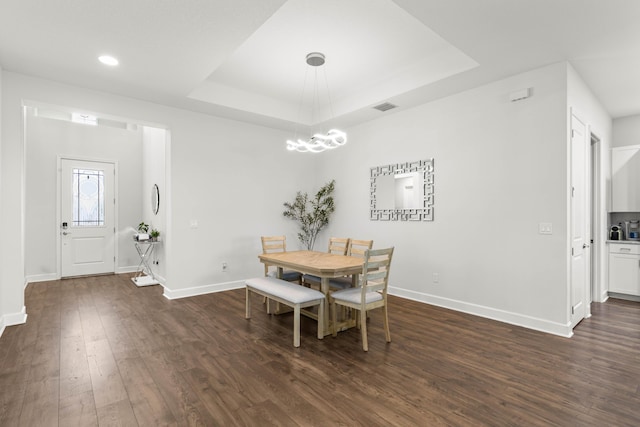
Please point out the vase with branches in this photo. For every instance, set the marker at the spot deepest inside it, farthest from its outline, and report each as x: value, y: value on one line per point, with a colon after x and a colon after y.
x: 311, y: 213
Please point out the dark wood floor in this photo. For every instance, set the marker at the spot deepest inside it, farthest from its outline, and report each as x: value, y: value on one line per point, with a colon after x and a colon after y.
x: 99, y: 351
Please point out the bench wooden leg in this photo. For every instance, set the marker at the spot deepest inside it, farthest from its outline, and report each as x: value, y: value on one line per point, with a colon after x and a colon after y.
x: 247, y: 310
x: 296, y: 325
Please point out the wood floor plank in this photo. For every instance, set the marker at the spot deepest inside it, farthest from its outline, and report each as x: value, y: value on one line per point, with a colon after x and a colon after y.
x: 107, y: 385
x: 11, y: 401
x: 118, y: 414
x: 78, y: 409
x: 147, y: 402
x: 100, y: 351
x: 41, y: 400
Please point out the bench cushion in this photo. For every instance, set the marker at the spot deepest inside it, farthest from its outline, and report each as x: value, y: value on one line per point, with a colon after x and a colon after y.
x: 287, y: 291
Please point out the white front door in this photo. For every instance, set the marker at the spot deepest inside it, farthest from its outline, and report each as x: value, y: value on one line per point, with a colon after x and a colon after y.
x: 579, y: 222
x: 87, y: 209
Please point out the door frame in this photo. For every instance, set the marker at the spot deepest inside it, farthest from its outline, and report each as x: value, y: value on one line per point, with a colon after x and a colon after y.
x: 575, y: 115
x: 597, y: 235
x: 59, y: 207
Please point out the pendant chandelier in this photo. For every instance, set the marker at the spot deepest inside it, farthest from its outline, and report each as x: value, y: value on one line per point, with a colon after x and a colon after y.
x: 318, y: 142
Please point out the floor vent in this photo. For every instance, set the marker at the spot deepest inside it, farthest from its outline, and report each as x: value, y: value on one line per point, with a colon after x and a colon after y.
x: 385, y: 106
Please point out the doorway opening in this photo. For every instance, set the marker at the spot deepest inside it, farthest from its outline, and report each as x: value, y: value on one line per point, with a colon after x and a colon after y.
x: 138, y: 152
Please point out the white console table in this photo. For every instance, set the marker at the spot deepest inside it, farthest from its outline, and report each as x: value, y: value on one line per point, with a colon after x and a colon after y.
x: 145, y: 275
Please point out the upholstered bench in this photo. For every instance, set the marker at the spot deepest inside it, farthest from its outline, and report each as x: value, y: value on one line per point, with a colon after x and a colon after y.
x: 289, y: 294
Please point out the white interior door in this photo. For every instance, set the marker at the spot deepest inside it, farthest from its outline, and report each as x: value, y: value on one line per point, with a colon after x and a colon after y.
x: 580, y: 265
x: 87, y: 210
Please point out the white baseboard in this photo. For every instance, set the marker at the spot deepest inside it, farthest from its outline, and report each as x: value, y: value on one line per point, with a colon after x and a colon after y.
x: 54, y: 276
x: 126, y: 269
x: 201, y: 290
x: 604, y: 296
x: 13, y: 319
x: 542, y: 325
x: 624, y: 296
x: 41, y: 277
x: 474, y: 309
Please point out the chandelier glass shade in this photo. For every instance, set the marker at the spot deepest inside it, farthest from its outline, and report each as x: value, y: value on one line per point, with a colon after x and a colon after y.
x: 333, y: 139
x: 318, y: 142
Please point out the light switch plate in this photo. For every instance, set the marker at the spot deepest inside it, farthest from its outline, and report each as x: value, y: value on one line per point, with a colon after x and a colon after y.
x: 545, y: 228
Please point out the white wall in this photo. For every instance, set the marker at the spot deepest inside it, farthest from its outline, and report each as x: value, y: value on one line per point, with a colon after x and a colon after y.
x: 500, y: 170
x: 12, y: 282
x: 626, y: 131
x: 154, y: 145
x: 230, y: 177
x: 48, y: 138
x: 4, y: 306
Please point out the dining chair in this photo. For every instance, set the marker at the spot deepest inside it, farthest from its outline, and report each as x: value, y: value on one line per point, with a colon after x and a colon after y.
x: 370, y: 294
x: 275, y: 244
x: 271, y: 245
x: 337, y: 245
x: 356, y: 248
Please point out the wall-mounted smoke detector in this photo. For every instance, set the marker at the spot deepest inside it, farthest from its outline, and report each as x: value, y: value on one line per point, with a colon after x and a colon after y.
x: 385, y: 106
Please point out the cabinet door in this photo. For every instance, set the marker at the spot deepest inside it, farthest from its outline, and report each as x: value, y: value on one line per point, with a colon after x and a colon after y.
x: 625, y: 179
x: 624, y: 274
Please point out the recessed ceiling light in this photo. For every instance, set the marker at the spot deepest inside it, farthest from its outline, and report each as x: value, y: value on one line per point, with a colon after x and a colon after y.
x: 108, y: 60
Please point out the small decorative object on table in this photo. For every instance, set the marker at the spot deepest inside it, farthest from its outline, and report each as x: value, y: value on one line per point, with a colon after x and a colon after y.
x: 142, y: 232
x: 154, y: 234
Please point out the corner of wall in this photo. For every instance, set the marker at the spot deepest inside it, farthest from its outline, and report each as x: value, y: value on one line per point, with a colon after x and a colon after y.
x: 13, y: 319
x: 201, y: 290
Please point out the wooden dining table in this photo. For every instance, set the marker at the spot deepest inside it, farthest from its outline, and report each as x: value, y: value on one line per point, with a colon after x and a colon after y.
x: 322, y: 264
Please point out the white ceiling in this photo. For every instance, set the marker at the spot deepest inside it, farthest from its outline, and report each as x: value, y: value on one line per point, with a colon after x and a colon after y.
x: 244, y: 59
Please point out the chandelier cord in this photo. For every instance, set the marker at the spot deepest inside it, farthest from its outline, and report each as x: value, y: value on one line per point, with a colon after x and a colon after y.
x: 304, y: 86
x: 326, y: 81
x: 319, y: 141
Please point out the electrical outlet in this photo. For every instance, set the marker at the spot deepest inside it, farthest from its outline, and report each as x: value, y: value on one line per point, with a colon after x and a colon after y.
x: 225, y: 266
x: 436, y: 277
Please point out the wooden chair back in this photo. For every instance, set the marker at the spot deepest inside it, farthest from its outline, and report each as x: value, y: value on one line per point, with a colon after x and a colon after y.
x: 375, y: 271
x: 271, y: 245
x: 339, y: 245
x: 359, y: 247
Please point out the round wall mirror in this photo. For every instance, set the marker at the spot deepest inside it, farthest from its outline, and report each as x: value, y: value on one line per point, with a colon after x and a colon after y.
x: 155, y: 199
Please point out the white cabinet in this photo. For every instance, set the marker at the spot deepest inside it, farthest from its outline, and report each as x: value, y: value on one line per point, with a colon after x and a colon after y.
x: 624, y: 268
x: 625, y: 179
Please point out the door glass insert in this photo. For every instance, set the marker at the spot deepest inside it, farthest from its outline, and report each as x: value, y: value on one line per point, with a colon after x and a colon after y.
x: 88, y: 198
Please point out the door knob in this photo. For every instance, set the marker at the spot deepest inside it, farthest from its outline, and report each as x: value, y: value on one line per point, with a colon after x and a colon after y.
x: 65, y: 233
